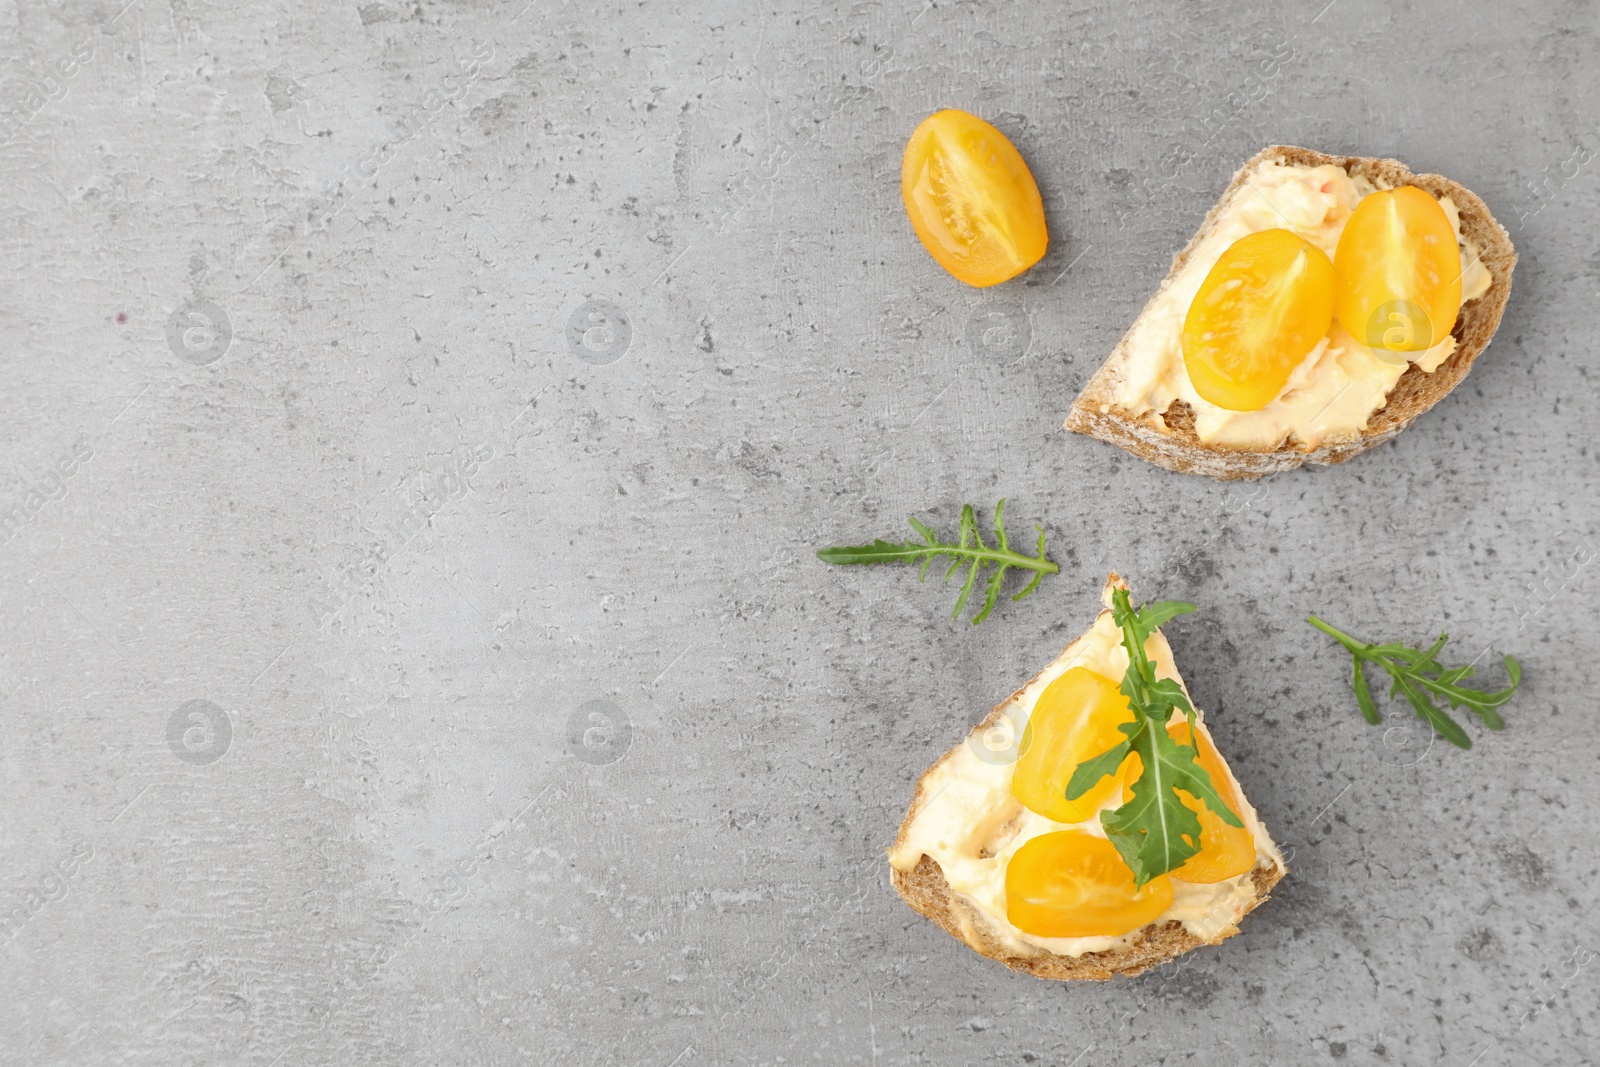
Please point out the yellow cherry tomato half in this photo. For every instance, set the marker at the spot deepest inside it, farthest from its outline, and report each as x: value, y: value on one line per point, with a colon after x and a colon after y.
x: 1073, y: 884
x: 972, y: 200
x: 1400, y: 271
x: 1074, y: 719
x: 1260, y: 311
x: 1225, y: 851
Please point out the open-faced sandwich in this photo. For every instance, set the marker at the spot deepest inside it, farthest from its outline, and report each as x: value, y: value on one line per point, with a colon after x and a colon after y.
x: 1324, y: 304
x: 1088, y: 827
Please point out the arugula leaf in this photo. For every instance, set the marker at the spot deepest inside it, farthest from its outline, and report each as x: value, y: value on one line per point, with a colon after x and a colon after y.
x: 1419, y: 678
x: 969, y: 551
x: 1153, y: 617
x: 1358, y: 682
x: 1154, y: 832
x: 1090, y: 771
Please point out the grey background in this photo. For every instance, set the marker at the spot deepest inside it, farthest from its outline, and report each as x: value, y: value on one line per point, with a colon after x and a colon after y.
x: 399, y: 532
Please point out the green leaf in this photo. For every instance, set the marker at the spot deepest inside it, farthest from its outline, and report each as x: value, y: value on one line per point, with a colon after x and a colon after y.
x: 1419, y: 678
x: 1165, y: 695
x: 1358, y: 682
x: 1154, y: 832
x: 1038, y: 576
x: 1090, y: 771
x: 1443, y: 725
x: 991, y: 594
x: 1133, y: 637
x: 966, y: 589
x: 1426, y: 659
x: 1154, y: 616
x: 877, y: 552
x: 969, y: 550
x: 1028, y: 589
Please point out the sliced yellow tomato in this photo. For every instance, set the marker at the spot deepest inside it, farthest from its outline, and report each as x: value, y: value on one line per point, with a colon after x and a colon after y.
x: 1225, y: 851
x: 1074, y: 719
x: 1261, y: 310
x: 972, y: 200
x: 1073, y: 884
x: 1400, y: 271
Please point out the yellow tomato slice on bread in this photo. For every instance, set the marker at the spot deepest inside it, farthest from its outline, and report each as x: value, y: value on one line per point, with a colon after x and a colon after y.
x: 1400, y: 271
x: 1260, y: 311
x: 1074, y: 719
x: 1073, y: 884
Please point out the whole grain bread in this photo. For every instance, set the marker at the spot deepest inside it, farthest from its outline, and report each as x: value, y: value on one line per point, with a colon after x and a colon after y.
x: 925, y: 889
x: 1169, y: 440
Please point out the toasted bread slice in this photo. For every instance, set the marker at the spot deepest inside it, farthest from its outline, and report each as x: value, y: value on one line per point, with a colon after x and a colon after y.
x: 924, y: 887
x: 1169, y: 440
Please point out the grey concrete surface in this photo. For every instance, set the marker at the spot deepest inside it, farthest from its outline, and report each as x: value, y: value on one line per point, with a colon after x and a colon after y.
x: 419, y: 422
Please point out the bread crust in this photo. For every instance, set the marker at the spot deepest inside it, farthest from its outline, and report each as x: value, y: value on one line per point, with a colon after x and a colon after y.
x: 925, y: 889
x: 1169, y: 440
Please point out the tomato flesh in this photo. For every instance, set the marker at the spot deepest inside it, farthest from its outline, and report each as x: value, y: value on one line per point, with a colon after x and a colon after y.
x: 972, y: 200
x: 1263, y: 307
x: 1225, y: 851
x: 1400, y: 271
x: 1074, y: 719
x: 1073, y: 884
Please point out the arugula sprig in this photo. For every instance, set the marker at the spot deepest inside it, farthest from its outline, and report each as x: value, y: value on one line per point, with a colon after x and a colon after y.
x: 1419, y: 677
x: 968, y: 551
x: 1155, y: 832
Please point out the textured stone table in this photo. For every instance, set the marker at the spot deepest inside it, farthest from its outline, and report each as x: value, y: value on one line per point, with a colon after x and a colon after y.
x: 419, y: 423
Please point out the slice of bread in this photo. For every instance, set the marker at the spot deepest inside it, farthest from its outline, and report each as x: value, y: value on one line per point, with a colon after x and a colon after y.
x: 924, y: 888
x: 1169, y: 440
